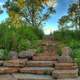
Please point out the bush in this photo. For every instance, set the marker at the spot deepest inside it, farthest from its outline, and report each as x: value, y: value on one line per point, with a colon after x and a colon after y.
x: 4, y: 54
x: 21, y: 38
x: 74, y: 44
x: 1, y: 53
x: 39, y: 50
x: 23, y: 44
x: 66, y: 35
x: 76, y: 55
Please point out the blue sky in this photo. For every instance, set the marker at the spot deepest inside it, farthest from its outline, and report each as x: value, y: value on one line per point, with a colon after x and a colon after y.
x: 52, y: 23
x: 61, y: 9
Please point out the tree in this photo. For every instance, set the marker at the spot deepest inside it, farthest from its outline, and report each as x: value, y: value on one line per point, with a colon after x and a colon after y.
x: 33, y: 12
x: 63, y: 22
x: 1, y: 11
x: 73, y: 18
x: 74, y: 15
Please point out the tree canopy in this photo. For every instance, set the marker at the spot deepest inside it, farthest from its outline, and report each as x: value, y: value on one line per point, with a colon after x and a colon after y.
x: 73, y: 17
x: 33, y: 12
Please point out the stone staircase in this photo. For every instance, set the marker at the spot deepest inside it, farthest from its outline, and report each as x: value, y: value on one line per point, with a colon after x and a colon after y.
x: 23, y: 69
x: 65, y: 68
x: 43, y: 66
x: 29, y: 67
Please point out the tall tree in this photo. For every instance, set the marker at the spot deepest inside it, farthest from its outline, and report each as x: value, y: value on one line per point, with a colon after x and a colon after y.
x: 74, y: 15
x: 73, y: 18
x: 63, y: 22
x: 33, y: 12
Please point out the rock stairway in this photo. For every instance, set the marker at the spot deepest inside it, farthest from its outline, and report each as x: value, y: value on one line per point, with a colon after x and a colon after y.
x: 26, y: 70
x: 22, y: 69
x: 65, y: 68
x: 42, y: 66
x: 29, y: 67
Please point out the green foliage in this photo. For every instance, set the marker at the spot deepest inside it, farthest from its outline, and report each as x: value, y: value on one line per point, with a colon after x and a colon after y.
x: 34, y: 11
x: 23, y: 44
x: 39, y: 50
x: 71, y: 39
x: 76, y: 55
x: 58, y: 35
x: 17, y: 39
x: 71, y: 20
x: 4, y: 54
x: 1, y: 53
x: 14, y: 7
x: 74, y: 44
x: 66, y: 35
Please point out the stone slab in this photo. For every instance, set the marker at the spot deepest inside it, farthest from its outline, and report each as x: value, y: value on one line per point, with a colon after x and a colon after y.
x: 4, y: 70
x: 69, y: 79
x: 32, y: 77
x: 41, y: 63
x: 37, y: 70
x: 7, y: 77
x: 15, y: 63
x: 44, y: 58
x: 46, y: 53
x: 26, y: 54
x: 61, y: 74
x: 65, y: 66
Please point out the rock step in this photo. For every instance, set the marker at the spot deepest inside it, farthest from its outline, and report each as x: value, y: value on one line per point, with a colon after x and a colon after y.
x: 7, y: 70
x: 7, y: 77
x: 46, y: 53
x: 37, y: 70
x: 44, y: 58
x: 69, y: 79
x: 66, y: 71
x: 61, y: 74
x: 19, y: 76
x: 33, y: 70
x: 23, y: 63
x: 41, y: 63
x: 15, y: 63
x: 65, y: 66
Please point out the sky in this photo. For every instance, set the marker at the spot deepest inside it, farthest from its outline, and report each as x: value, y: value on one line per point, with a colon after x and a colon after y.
x: 52, y: 23
x: 61, y: 10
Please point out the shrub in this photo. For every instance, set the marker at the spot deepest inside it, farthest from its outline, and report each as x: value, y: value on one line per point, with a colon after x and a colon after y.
x: 76, y: 55
x: 1, y: 53
x: 23, y: 44
x: 4, y: 54
x: 74, y: 44
x: 21, y: 38
x: 39, y: 50
x: 66, y: 35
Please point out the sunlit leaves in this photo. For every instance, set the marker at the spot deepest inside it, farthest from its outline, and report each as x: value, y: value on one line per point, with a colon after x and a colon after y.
x: 34, y: 11
x: 73, y: 17
x: 73, y: 9
x: 51, y: 3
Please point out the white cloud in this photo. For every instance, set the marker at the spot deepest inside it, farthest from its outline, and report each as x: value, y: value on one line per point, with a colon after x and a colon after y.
x: 48, y: 30
x: 52, y: 3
